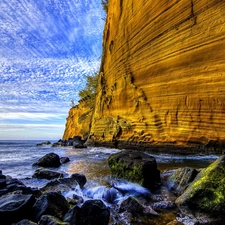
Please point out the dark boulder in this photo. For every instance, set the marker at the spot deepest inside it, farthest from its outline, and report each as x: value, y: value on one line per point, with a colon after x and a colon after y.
x: 51, y: 220
x: 14, y: 185
x: 132, y: 206
x: 25, y: 222
x: 65, y: 184
x: 44, y: 143
x: 180, y: 179
x: 92, y: 212
x: 78, y: 142
x: 49, y: 160
x: 51, y: 203
x: 64, y: 160
x: 46, y: 174
x: 136, y: 167
x: 15, y: 207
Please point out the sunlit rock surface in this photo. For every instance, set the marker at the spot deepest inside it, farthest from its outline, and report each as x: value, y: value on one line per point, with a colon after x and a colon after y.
x: 162, y: 79
x: 78, y: 120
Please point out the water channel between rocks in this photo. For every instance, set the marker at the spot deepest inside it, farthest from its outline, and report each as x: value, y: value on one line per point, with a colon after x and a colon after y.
x: 92, y: 162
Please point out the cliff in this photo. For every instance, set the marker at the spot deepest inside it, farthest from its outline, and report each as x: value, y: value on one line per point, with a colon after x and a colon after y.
x: 163, y: 75
x: 78, y: 120
x: 162, y: 80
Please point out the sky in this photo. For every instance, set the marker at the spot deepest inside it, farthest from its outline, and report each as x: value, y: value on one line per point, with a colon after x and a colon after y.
x: 47, y: 48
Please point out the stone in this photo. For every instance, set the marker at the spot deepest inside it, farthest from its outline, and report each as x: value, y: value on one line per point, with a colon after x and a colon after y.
x: 64, y: 160
x: 44, y: 143
x: 92, y: 212
x: 15, y: 207
x: 180, y: 179
x: 25, y: 222
x: 49, y: 160
x: 132, y: 206
x: 206, y: 194
x: 51, y: 203
x: 65, y: 184
x: 46, y: 174
x: 136, y: 167
x: 51, y: 220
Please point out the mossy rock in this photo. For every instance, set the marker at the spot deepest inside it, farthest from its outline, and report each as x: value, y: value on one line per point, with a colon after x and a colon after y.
x: 206, y: 194
x: 136, y: 167
x: 180, y: 179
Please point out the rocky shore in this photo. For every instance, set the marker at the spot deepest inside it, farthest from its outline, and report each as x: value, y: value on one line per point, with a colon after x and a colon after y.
x: 135, y: 195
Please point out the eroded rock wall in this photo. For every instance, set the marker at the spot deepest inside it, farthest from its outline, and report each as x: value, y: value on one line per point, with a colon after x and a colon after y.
x: 163, y: 74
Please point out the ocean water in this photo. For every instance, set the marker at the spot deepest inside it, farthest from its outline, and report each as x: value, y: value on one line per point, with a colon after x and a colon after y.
x: 17, y: 158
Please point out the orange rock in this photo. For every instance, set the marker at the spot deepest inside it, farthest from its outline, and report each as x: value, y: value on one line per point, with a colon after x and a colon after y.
x: 162, y: 74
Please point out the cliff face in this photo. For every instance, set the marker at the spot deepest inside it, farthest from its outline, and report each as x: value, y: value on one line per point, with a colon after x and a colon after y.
x: 163, y: 74
x: 78, y: 120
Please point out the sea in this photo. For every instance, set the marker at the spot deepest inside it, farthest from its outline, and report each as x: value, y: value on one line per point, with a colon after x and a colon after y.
x: 17, y: 159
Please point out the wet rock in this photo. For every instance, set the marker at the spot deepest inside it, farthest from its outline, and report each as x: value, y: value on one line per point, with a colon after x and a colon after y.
x: 43, y: 143
x: 136, y: 167
x: 92, y: 212
x: 206, y: 194
x: 180, y: 179
x: 51, y: 203
x: 14, y: 185
x: 49, y: 160
x: 2, y: 181
x: 46, y: 174
x: 132, y: 206
x: 164, y: 205
x: 15, y: 207
x: 65, y: 184
x: 25, y: 222
x: 80, y: 178
x: 175, y: 223
x: 51, y: 220
x: 78, y: 142
x: 64, y: 160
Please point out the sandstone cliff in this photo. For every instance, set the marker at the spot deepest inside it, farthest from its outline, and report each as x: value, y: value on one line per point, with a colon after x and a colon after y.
x: 78, y: 120
x: 162, y: 75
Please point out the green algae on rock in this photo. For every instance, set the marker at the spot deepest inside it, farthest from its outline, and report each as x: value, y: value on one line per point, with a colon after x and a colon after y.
x: 135, y: 167
x: 206, y: 194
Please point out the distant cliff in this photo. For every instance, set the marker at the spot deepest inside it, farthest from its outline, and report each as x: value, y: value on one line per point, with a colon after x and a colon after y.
x: 78, y: 120
x: 162, y: 80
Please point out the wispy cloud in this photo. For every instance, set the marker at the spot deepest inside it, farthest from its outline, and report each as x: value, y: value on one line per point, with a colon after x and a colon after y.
x: 47, y: 48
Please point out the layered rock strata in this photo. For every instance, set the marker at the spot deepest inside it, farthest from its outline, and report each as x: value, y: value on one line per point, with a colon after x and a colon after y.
x: 162, y: 75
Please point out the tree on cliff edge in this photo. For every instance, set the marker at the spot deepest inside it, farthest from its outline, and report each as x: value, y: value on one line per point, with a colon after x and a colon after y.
x: 90, y: 88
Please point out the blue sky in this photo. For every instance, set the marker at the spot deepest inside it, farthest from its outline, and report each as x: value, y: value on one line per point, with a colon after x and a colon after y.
x: 47, y: 48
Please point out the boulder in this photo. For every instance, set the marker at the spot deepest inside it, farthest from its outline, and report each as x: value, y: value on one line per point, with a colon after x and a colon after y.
x: 51, y: 203
x: 78, y: 142
x: 206, y: 194
x: 92, y: 212
x: 25, y: 222
x: 180, y: 179
x: 49, y: 160
x: 46, y: 174
x: 44, y: 143
x: 65, y: 184
x: 14, y: 185
x: 132, y: 206
x: 64, y: 160
x: 15, y: 207
x: 136, y: 167
x: 51, y: 220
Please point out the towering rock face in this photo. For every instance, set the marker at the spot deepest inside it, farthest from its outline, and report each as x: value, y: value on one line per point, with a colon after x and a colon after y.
x: 163, y: 75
